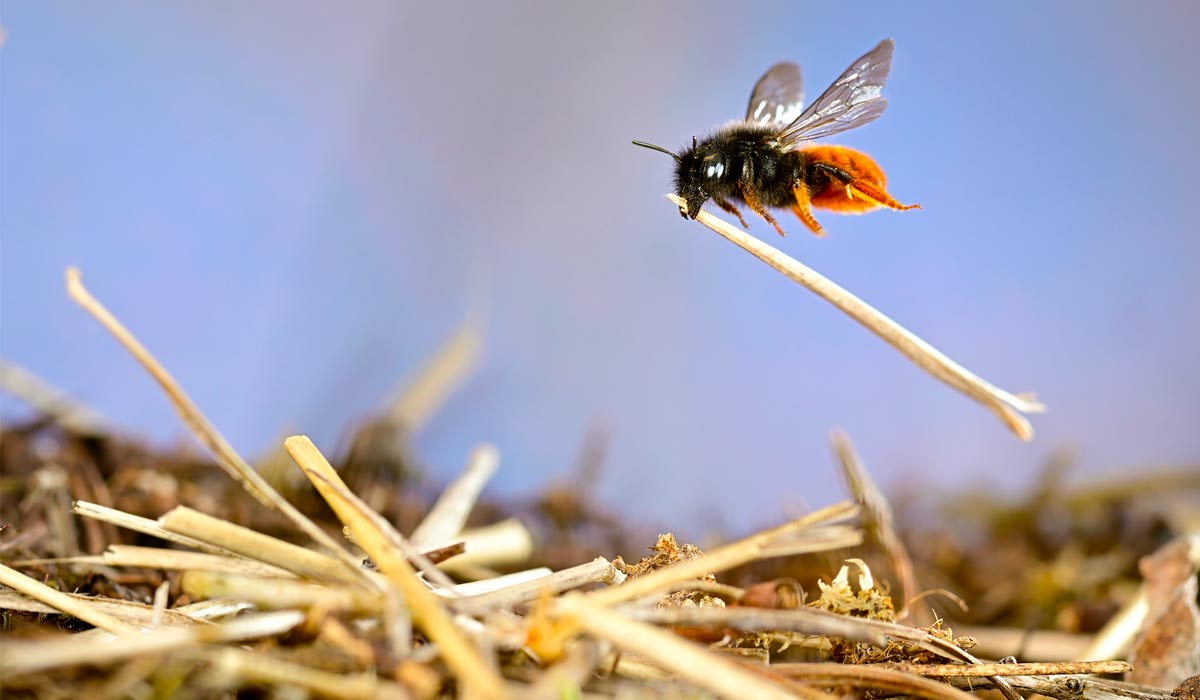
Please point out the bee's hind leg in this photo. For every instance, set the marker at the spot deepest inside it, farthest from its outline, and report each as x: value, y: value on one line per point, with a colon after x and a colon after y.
x: 860, y: 188
x: 732, y: 209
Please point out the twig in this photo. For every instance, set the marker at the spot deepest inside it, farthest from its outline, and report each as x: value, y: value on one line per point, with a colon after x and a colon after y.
x: 427, y: 610
x: 1015, y: 669
x: 877, y: 512
x: 201, y: 428
x: 808, y: 621
x: 254, y: 668
x: 448, y: 515
x: 1006, y: 406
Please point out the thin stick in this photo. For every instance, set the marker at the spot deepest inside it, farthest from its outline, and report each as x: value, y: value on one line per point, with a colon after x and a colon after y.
x: 447, y: 517
x: 201, y: 428
x: 427, y: 610
x: 128, y: 611
x: 76, y: 607
x: 1017, y: 669
x: 1006, y: 406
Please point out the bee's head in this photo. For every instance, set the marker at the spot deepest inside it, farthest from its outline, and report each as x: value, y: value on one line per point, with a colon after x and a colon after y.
x: 693, y: 172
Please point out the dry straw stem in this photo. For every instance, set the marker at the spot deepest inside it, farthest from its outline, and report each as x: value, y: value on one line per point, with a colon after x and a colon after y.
x: 877, y: 512
x: 204, y: 431
x: 262, y: 669
x: 599, y: 570
x: 808, y: 621
x: 1006, y: 406
x: 1014, y: 669
x: 502, y: 544
x: 412, y: 407
x: 279, y: 594
x: 427, y: 611
x: 49, y: 401
x: 71, y: 605
x: 686, y: 660
x: 177, y: 560
x: 731, y: 555
x: 39, y: 656
x: 448, y: 515
x: 257, y: 546
x: 137, y: 523
x: 870, y: 677
x: 127, y: 611
x: 1071, y: 688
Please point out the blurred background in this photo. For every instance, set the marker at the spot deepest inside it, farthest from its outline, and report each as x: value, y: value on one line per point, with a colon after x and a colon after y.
x: 294, y: 204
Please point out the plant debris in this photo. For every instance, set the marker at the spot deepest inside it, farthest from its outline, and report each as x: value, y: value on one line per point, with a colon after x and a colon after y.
x: 137, y: 571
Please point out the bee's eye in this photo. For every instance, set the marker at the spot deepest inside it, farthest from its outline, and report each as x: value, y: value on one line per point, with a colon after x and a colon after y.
x: 714, y: 167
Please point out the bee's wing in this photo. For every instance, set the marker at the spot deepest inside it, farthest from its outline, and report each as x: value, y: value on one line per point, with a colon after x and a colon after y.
x: 778, y: 96
x: 853, y: 100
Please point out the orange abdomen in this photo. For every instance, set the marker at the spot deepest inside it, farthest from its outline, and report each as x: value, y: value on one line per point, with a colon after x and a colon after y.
x: 833, y: 194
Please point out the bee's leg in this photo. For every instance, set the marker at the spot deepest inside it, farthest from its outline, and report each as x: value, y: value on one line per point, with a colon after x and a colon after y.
x: 756, y: 206
x: 803, y: 209
x: 858, y: 188
x: 732, y: 209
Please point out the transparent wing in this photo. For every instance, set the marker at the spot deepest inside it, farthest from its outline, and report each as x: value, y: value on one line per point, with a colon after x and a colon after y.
x: 778, y: 96
x: 854, y: 99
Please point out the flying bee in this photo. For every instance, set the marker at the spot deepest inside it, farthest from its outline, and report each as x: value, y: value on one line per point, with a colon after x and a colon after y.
x: 765, y: 162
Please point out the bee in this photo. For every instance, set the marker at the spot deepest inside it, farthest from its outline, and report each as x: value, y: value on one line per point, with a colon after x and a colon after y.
x: 766, y: 162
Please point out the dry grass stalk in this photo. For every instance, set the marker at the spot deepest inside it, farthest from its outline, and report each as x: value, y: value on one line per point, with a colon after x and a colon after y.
x: 1013, y: 669
x: 1008, y: 407
x: 872, y: 677
x: 130, y: 612
x: 39, y: 656
x: 66, y: 411
x: 277, y: 594
x: 145, y: 526
x: 71, y: 605
x: 685, y: 659
x: 448, y: 515
x: 1072, y: 688
x: 201, y: 428
x: 177, y: 560
x: 807, y: 621
x: 502, y: 544
x: 257, y: 546
x: 599, y: 570
x: 447, y: 369
x: 427, y: 610
x: 727, y: 556
x: 877, y: 515
x: 261, y: 669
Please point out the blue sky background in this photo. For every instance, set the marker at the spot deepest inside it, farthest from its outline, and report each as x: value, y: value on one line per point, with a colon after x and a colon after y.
x: 293, y: 204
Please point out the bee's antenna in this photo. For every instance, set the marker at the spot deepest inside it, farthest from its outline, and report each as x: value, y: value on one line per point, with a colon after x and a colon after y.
x: 660, y: 149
